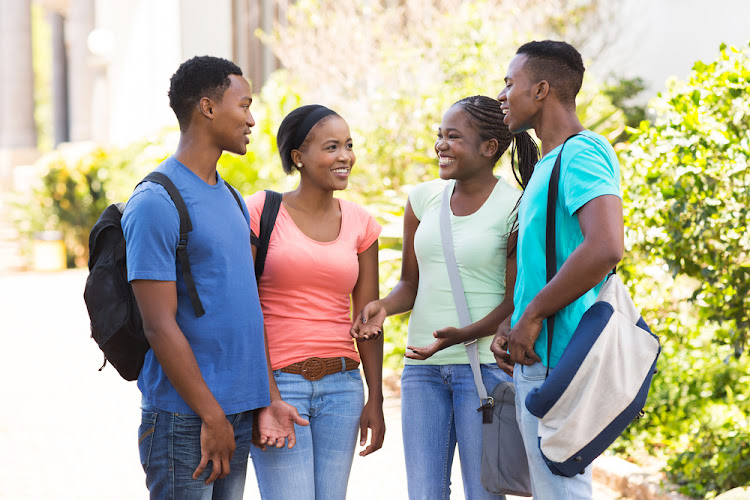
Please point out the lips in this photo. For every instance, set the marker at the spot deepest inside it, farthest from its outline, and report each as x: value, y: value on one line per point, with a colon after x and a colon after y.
x: 341, y: 172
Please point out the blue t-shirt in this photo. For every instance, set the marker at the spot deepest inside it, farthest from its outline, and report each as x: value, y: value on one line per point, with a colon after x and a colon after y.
x: 589, y: 168
x: 227, y: 340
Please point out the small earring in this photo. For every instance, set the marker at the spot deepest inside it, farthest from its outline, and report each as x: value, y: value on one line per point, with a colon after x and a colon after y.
x: 299, y: 165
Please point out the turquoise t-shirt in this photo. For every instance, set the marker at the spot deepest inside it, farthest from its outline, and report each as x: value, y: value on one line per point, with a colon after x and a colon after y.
x: 480, y: 241
x: 589, y: 168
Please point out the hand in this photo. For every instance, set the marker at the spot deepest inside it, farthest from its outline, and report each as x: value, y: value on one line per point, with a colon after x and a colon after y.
x: 446, y: 337
x: 372, y: 418
x: 521, y: 340
x: 274, y: 424
x: 369, y: 324
x: 499, y: 348
x: 217, y: 447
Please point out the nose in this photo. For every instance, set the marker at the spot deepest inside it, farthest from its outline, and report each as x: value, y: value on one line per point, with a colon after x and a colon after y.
x: 346, y: 156
x: 441, y: 144
x: 250, y: 121
x: 501, y: 95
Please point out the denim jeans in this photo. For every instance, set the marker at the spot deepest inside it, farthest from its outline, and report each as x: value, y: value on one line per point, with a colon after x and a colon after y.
x: 170, y: 448
x: 438, y: 410
x: 319, y: 464
x: 544, y: 483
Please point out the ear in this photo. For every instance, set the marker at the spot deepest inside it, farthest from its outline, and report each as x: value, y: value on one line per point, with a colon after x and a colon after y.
x: 296, y: 157
x: 489, y: 148
x: 206, y: 107
x: 541, y: 90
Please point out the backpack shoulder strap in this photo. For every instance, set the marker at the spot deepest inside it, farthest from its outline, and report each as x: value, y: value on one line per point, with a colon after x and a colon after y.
x: 236, y: 196
x: 185, y: 227
x: 267, y: 222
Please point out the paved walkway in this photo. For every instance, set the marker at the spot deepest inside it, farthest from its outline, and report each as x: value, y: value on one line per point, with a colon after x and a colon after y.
x: 69, y: 432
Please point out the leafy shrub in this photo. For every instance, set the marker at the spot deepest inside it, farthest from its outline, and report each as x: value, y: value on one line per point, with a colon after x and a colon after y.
x: 686, y: 200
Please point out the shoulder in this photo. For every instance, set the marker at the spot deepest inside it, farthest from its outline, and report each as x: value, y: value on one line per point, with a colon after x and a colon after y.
x: 426, y: 194
x: 428, y: 189
x: 255, y: 201
x: 590, y: 147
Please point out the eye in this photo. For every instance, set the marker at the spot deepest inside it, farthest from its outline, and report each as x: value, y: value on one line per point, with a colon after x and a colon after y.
x: 439, y: 136
x: 350, y: 146
x: 453, y: 136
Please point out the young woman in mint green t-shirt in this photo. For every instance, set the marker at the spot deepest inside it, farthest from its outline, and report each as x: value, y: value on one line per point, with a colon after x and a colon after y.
x: 438, y: 394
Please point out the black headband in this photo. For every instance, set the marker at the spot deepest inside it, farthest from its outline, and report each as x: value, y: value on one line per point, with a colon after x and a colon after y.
x: 308, y: 123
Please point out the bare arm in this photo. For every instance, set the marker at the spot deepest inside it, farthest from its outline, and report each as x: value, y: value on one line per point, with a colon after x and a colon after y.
x: 371, y: 352
x: 401, y: 298
x: 274, y: 424
x: 157, y: 302
x: 601, y: 250
x: 485, y: 327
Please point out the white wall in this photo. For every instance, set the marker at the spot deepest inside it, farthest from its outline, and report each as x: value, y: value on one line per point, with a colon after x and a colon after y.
x: 663, y: 38
x: 151, y: 38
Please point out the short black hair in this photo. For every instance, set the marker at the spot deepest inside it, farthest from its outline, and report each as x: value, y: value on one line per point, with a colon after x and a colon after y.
x: 557, y: 62
x: 288, y: 130
x: 196, y: 78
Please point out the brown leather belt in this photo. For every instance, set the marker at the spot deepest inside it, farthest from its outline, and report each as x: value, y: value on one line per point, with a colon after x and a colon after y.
x: 317, y: 368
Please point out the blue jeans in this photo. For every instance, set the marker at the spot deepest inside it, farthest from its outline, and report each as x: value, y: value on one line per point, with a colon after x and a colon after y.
x: 319, y: 464
x: 544, y: 483
x: 439, y: 409
x: 170, y: 448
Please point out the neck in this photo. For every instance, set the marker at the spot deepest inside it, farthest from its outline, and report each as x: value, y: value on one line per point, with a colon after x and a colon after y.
x: 310, y: 199
x: 477, y: 184
x: 555, y: 124
x: 199, y: 155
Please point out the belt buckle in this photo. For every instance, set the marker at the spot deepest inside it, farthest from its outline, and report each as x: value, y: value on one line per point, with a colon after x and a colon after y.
x: 313, y: 369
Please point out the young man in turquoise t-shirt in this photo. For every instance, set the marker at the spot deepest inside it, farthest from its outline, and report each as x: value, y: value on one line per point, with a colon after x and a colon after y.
x: 541, y: 85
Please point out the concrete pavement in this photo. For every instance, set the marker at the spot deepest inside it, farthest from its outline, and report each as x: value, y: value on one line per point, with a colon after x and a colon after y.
x: 70, y: 432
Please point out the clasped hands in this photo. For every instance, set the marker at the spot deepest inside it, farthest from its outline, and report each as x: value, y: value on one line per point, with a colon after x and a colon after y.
x: 516, y: 345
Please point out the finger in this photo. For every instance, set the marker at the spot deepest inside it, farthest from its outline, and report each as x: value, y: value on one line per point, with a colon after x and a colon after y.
x: 363, y: 431
x: 299, y: 420
x: 413, y: 354
x: 215, y: 471
x: 201, y: 467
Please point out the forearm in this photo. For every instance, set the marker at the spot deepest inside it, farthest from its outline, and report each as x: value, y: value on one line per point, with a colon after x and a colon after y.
x: 274, y: 390
x: 401, y: 299
x: 371, y: 353
x: 488, y: 325
x: 177, y: 359
x: 587, y: 266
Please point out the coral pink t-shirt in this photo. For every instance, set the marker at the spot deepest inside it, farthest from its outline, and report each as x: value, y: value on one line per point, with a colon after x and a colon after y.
x: 306, y: 284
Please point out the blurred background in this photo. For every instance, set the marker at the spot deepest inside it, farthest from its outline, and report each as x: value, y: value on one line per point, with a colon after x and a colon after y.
x: 85, y: 116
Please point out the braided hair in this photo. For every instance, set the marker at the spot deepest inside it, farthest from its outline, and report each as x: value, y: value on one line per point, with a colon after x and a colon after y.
x: 486, y: 115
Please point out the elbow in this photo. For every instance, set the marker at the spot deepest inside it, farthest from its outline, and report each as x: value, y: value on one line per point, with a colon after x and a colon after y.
x: 612, y: 256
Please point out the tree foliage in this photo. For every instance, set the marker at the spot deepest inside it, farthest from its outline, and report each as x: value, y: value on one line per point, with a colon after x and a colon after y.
x: 686, y: 201
x: 687, y: 181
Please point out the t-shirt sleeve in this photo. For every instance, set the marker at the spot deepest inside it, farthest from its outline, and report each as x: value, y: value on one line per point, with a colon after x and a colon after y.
x: 370, y: 230
x: 151, y: 227
x: 589, y: 174
x: 255, y: 208
x: 418, y: 199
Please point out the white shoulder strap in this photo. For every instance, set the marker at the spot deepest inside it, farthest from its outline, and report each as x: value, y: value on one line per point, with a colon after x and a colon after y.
x: 464, y: 318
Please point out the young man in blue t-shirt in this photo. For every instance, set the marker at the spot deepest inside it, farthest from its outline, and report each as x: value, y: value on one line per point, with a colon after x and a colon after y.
x: 541, y: 85
x: 204, y: 377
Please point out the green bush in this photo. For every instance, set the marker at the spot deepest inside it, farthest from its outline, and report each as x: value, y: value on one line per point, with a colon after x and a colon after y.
x: 686, y: 201
x: 77, y: 184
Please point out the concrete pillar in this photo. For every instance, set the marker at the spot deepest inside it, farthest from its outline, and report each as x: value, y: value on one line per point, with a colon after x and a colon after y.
x: 80, y: 74
x: 17, y: 129
x: 59, y: 78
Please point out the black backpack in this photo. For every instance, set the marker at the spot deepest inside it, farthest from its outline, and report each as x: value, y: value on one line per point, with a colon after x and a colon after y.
x: 267, y: 222
x: 116, y: 323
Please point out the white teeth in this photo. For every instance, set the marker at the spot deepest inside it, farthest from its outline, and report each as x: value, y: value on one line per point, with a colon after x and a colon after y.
x: 340, y: 170
x: 445, y: 161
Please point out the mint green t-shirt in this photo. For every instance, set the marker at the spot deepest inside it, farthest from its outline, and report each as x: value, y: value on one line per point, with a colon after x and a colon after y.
x: 480, y: 241
x: 589, y: 168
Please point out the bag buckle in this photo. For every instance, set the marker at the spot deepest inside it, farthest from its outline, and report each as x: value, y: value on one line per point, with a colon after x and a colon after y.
x: 486, y: 410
